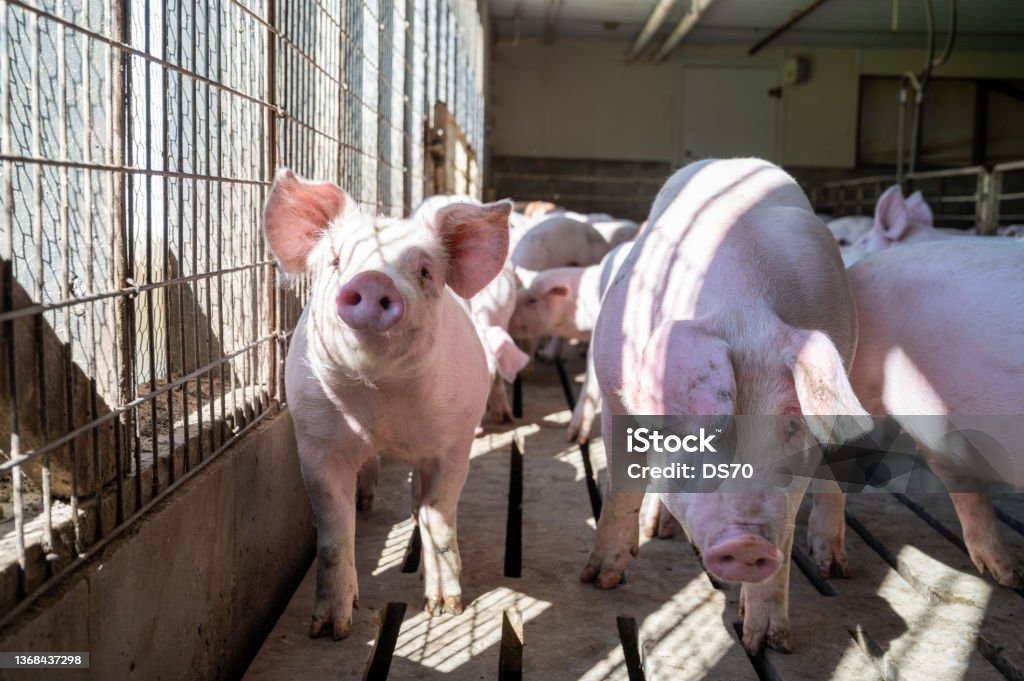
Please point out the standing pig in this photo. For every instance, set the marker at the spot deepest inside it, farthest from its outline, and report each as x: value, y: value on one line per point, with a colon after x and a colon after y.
x: 733, y: 302
x: 491, y: 309
x: 559, y: 242
x: 970, y: 294
x: 384, y: 359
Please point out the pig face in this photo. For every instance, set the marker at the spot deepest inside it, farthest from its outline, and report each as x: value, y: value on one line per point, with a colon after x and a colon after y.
x: 542, y: 307
x: 378, y: 282
x: 798, y: 380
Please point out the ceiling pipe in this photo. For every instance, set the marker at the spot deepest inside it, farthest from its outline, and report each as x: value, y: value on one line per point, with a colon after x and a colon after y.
x: 685, y: 25
x: 796, y: 18
x: 658, y: 16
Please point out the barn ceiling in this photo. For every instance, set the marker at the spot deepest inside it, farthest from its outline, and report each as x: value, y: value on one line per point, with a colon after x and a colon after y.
x: 983, y: 24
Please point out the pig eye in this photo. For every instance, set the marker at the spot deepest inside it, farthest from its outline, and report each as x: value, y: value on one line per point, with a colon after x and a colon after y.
x: 844, y: 242
x: 425, y: 272
x: 792, y: 426
x: 335, y: 262
x: 531, y: 301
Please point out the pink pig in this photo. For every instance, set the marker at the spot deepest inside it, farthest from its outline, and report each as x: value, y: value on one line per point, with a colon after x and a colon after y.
x: 920, y: 307
x: 564, y: 302
x: 733, y: 302
x: 491, y: 310
x: 559, y: 242
x: 384, y: 359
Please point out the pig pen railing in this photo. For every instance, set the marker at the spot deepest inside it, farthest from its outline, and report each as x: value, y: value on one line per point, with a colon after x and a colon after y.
x: 142, y: 331
x: 960, y: 197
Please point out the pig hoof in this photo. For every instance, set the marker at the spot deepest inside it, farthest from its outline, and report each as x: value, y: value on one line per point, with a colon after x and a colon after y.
x: 780, y: 642
x: 754, y: 641
x: 339, y: 628
x: 453, y: 604
x: 572, y: 433
x: 1010, y: 578
x: 440, y: 606
x: 478, y: 431
x: 829, y: 558
x: 999, y: 565
x: 668, y: 526
x: 609, y: 579
x: 833, y: 566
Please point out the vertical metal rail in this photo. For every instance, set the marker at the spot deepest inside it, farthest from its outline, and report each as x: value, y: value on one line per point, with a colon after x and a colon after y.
x: 593, y: 492
x: 270, y: 123
x: 42, y: 393
x: 510, y: 651
x: 379, y: 664
x: 11, y: 384
x: 514, y: 517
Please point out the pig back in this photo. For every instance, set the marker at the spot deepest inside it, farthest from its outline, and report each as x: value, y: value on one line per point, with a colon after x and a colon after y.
x: 944, y: 320
x: 737, y: 245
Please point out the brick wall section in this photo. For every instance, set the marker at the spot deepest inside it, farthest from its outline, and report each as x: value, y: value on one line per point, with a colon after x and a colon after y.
x: 624, y: 189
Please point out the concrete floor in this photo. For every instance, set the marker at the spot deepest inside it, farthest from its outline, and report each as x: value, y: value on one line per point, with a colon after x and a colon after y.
x: 924, y: 614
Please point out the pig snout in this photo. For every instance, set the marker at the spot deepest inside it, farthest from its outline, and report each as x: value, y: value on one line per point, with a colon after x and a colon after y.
x: 370, y: 301
x: 743, y: 556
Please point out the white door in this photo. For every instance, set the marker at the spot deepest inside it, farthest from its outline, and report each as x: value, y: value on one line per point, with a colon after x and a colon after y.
x: 728, y: 112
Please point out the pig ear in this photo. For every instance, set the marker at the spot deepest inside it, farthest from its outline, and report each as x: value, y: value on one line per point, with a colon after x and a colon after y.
x: 831, y: 409
x: 920, y: 212
x: 296, y: 211
x: 476, y: 239
x: 892, y: 216
x: 511, y: 360
x: 684, y: 370
x: 557, y: 290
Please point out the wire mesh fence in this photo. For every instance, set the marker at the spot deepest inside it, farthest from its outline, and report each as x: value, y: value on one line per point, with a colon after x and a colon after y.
x: 141, y: 328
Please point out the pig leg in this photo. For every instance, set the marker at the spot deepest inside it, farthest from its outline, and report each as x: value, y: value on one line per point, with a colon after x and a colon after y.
x: 764, y: 608
x: 618, y: 529
x: 366, y: 483
x: 331, y: 482
x: 441, y: 483
x: 586, y: 406
x: 497, y: 402
x: 984, y: 543
x: 658, y: 522
x: 552, y: 350
x: 981, y: 532
x: 826, y: 534
x: 617, y: 538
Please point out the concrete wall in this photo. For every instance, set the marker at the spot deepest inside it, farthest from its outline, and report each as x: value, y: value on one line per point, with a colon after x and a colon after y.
x: 191, y: 591
x: 578, y: 99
